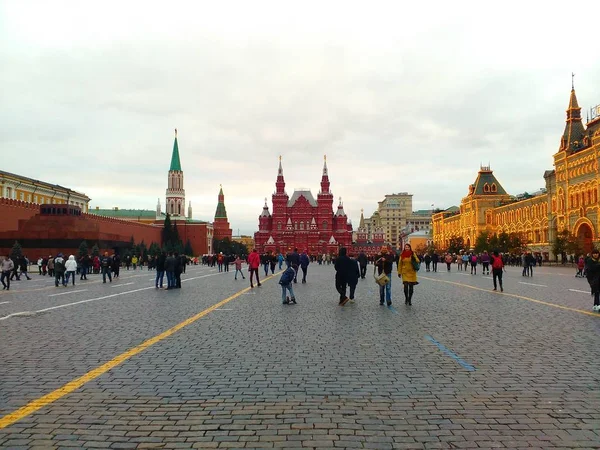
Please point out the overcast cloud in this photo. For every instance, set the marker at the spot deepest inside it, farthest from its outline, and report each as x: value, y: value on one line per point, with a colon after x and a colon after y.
x: 399, y: 96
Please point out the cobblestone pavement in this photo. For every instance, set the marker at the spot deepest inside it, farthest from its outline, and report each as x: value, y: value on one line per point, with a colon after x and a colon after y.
x: 463, y: 367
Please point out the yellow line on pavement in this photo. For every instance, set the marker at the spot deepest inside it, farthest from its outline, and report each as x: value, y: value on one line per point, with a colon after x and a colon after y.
x: 75, y: 384
x: 554, y: 305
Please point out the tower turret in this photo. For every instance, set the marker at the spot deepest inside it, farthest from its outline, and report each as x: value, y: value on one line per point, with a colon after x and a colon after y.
x: 572, y: 138
x: 190, y: 210
x: 325, y: 177
x: 175, y: 201
x: 280, y: 183
x: 221, y: 224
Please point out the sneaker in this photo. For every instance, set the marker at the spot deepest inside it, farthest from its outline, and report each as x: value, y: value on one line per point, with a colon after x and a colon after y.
x: 293, y: 300
x: 259, y: 285
x: 389, y: 303
x: 286, y: 302
x: 595, y: 308
x: 501, y: 289
x: 381, y: 303
x: 494, y: 289
x: 343, y: 302
x: 352, y: 300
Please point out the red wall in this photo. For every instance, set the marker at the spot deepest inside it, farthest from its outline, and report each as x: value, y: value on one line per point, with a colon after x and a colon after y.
x: 11, y: 211
x: 22, y: 222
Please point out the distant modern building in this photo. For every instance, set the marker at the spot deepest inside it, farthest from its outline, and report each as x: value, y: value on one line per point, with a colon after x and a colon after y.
x: 248, y: 241
x: 303, y: 222
x: 395, y: 217
x: 18, y: 187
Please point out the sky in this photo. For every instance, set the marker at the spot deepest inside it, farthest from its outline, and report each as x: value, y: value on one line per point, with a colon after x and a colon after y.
x: 400, y: 96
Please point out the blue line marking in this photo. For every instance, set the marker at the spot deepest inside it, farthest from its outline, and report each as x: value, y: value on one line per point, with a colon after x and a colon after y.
x: 392, y: 309
x: 451, y: 354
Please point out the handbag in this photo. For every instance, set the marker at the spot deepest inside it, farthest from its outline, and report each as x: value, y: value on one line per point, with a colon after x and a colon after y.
x: 415, y: 265
x: 382, y: 279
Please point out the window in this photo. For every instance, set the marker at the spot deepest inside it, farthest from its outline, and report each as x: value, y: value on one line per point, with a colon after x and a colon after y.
x: 35, y: 199
x: 278, y: 225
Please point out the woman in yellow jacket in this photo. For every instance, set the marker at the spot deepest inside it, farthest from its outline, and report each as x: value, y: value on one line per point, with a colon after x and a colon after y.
x: 407, y: 272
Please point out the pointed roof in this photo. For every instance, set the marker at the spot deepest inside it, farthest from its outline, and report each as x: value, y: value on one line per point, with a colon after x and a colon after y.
x: 362, y: 220
x: 486, y: 183
x: 325, y: 174
x: 175, y: 163
x: 340, y: 211
x: 280, y: 169
x: 302, y: 193
x: 265, y: 211
x: 574, y: 133
x: 221, y: 212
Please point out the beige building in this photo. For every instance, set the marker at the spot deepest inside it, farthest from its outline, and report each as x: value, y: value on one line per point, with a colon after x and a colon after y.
x: 396, y: 218
x: 26, y: 189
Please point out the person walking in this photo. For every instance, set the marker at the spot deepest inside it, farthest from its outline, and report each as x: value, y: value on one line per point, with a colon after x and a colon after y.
x: 106, y: 265
x: 304, y: 262
x: 280, y: 260
x: 116, y: 265
x: 50, y: 266
x: 342, y: 266
x: 384, y: 264
x: 497, y: 269
x: 294, y: 259
x: 407, y: 270
x: 134, y: 261
x: 286, y: 285
x: 59, y: 270
x: 580, y: 267
x: 265, y: 260
x: 238, y: 267
x: 70, y: 269
x: 273, y: 262
x: 160, y: 270
x: 362, y: 262
x: 485, y: 263
x: 85, y: 267
x: 593, y: 277
x: 473, y: 258
x: 23, y: 266
x: 427, y: 260
x: 353, y: 276
x: 6, y: 265
x: 435, y: 259
x: 448, y: 261
x: 253, y: 265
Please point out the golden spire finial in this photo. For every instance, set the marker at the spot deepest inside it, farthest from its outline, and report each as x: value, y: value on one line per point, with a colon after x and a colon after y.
x: 324, y: 157
x: 362, y: 210
x: 279, y: 158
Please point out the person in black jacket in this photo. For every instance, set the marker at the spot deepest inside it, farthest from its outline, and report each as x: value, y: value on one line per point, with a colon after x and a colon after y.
x: 160, y: 269
x: 177, y: 271
x: 435, y: 259
x: 85, y: 262
x: 343, y: 271
x: 592, y: 270
x: 293, y: 259
x: 170, y: 269
x: 362, y: 262
x: 353, y: 276
x: 385, y: 263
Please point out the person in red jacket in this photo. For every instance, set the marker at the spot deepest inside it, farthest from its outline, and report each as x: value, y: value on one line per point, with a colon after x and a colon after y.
x: 254, y: 264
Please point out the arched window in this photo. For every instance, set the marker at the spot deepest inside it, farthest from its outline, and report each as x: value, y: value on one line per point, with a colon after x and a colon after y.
x: 278, y: 226
x: 494, y: 188
x: 324, y: 224
x: 486, y: 187
x: 302, y: 225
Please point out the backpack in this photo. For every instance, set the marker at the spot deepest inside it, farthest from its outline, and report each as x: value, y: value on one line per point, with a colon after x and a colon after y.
x: 497, y: 263
x: 415, y: 265
x: 473, y: 259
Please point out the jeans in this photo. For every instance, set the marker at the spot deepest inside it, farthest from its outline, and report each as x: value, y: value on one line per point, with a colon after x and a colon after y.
x: 105, y: 272
x: 241, y: 273
x: 69, y: 273
x: 363, y: 270
x: 387, y: 290
x: 266, y: 267
x: 284, y: 288
x: 170, y: 280
x: 5, y: 276
x: 280, y: 264
x: 160, y: 276
x: 434, y: 266
x: 84, y: 272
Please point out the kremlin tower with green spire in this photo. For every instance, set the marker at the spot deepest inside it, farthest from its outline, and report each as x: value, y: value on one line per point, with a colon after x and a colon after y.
x: 221, y: 224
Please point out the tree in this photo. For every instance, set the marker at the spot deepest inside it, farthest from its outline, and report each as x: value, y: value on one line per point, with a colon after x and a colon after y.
x: 175, y: 239
x: 559, y: 246
x: 188, y: 250
x: 154, y: 249
x: 83, y: 249
x: 95, y: 250
x: 482, y: 242
x: 456, y: 245
x: 167, y: 231
x: 16, y: 251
